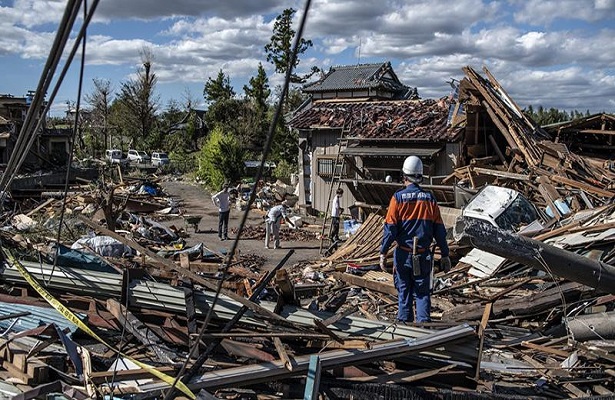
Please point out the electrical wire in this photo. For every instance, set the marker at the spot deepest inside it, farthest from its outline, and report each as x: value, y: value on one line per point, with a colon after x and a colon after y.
x: 22, y: 147
x: 71, y: 143
x: 55, y: 53
x: 266, y: 149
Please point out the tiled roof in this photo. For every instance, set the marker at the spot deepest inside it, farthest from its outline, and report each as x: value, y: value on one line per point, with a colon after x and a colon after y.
x: 423, y: 120
x: 357, y: 77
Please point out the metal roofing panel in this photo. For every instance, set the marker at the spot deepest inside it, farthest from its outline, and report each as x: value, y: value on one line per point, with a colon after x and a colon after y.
x: 98, y: 284
x: 38, y: 316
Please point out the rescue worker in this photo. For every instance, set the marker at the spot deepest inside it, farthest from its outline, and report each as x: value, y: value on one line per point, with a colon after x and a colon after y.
x: 336, y: 213
x: 413, y: 213
x: 222, y: 201
x: 273, y: 222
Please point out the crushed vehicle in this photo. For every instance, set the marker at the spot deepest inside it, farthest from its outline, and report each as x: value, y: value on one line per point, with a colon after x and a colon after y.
x: 501, y: 207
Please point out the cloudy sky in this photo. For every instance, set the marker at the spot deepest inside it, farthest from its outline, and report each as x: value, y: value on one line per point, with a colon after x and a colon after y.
x: 554, y: 53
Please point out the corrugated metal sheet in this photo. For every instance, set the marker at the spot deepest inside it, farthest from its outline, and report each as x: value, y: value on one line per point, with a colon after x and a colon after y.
x: 74, y: 280
x: 38, y: 316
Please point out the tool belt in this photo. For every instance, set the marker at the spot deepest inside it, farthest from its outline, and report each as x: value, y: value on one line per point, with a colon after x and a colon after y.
x: 409, y: 250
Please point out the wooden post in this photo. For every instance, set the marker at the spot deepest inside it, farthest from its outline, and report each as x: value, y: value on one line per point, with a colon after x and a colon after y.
x: 312, y: 383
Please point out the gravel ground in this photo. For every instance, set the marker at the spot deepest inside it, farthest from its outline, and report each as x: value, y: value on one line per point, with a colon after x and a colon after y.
x: 194, y: 200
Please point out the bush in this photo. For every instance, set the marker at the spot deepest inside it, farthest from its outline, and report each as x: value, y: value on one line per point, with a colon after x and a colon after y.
x: 183, y: 162
x: 220, y: 160
x: 283, y: 170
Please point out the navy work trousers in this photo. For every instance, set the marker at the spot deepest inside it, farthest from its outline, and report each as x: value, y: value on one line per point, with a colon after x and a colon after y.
x: 412, y: 288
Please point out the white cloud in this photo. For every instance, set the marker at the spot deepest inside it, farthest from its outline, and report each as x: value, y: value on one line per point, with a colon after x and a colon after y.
x: 33, y: 13
x: 546, y: 11
x: 150, y: 9
x: 530, y: 45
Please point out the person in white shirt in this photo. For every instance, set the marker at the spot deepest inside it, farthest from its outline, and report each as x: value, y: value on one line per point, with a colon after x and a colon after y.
x: 336, y: 213
x: 222, y: 201
x: 273, y: 222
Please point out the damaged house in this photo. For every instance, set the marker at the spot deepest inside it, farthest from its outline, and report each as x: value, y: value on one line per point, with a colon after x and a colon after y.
x: 51, y: 146
x: 358, y: 127
x: 593, y: 135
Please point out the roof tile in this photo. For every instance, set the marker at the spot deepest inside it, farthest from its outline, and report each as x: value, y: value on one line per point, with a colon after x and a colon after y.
x: 404, y: 119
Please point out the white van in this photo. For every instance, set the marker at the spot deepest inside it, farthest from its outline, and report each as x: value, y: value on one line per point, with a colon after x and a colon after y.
x: 114, y: 156
x: 160, y: 158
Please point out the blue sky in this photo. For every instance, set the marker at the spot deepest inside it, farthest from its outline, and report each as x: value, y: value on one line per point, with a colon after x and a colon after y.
x: 552, y: 53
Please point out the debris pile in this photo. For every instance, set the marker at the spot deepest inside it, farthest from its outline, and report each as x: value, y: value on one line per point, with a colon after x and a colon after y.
x: 119, y: 305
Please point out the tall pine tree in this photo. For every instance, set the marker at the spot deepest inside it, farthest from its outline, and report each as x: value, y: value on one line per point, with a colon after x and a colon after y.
x: 279, y: 50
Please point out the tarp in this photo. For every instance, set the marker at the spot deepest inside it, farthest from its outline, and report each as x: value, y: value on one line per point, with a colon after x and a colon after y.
x: 104, y: 245
x: 77, y: 259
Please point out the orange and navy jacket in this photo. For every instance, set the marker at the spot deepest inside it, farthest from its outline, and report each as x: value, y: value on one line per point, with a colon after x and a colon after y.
x: 413, y: 212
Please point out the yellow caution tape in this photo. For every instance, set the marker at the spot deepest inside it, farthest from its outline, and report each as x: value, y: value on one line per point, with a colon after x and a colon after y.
x: 69, y: 315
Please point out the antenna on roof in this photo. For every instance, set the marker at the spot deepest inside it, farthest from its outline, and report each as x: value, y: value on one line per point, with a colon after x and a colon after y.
x: 359, y: 53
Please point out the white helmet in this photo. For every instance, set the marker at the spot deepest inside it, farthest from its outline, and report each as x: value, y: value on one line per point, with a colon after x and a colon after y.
x: 413, y: 168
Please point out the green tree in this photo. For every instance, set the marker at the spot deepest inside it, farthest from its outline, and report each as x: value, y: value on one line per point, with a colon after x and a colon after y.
x: 221, y: 159
x: 279, y: 50
x: 543, y: 116
x: 257, y: 92
x: 137, y: 96
x: 218, y: 89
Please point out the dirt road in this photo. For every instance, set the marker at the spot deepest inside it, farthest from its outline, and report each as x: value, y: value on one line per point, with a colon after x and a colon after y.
x: 194, y: 200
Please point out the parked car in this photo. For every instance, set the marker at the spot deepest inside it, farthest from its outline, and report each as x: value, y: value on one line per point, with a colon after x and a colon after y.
x: 138, y: 156
x: 160, y: 158
x: 114, y: 156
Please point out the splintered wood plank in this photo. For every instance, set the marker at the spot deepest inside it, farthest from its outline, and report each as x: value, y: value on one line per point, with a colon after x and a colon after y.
x: 545, y: 349
x: 383, y: 286
x: 583, y: 186
x: 279, y: 347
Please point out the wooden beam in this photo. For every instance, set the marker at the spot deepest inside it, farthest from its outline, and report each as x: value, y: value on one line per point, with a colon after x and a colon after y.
x: 366, y: 283
x: 545, y: 349
x: 501, y: 174
x: 583, y: 186
x: 481, y: 334
x: 279, y: 347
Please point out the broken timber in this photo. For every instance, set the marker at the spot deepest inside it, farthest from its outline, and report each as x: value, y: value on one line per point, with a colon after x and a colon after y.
x: 251, y: 374
x: 526, y: 251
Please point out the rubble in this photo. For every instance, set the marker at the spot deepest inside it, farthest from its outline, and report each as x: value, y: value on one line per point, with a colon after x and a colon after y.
x: 120, y: 304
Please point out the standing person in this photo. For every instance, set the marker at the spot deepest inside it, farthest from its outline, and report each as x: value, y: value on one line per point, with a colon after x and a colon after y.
x: 336, y: 213
x: 222, y: 201
x: 272, y: 224
x: 413, y: 220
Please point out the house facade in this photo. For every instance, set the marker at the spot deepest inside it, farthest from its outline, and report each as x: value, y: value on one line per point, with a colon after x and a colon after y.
x: 51, y: 145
